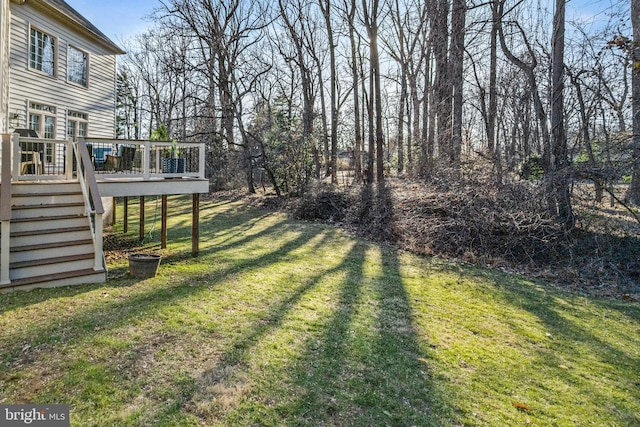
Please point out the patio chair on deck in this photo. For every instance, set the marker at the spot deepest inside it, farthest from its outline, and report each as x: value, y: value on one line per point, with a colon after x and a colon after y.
x: 126, y: 157
x: 100, y: 156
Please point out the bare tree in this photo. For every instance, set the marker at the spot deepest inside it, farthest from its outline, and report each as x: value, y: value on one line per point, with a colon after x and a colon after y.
x: 456, y: 66
x: 634, y: 191
x: 560, y: 160
x: 291, y: 14
x: 325, y: 7
x: 351, y: 9
x: 375, y: 94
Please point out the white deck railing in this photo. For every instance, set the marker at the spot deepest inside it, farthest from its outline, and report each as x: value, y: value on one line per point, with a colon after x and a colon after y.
x: 47, y: 159
x: 117, y: 158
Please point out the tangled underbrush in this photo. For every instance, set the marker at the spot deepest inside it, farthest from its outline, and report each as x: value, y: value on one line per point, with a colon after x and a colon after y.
x: 478, y: 223
x: 470, y: 218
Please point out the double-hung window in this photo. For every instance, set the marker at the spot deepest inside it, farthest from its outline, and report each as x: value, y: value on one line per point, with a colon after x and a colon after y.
x: 42, y: 52
x: 77, y: 124
x: 42, y: 119
x: 77, y: 66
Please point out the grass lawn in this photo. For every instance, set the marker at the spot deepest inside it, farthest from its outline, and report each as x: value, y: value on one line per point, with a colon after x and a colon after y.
x: 280, y: 322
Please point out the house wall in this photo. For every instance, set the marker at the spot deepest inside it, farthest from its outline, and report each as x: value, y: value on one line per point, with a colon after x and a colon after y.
x: 28, y: 85
x: 4, y: 65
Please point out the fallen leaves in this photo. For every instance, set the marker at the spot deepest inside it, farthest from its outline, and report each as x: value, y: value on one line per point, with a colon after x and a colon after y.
x: 521, y: 407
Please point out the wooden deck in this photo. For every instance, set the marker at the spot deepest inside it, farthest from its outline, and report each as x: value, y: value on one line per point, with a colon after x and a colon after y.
x: 51, y: 207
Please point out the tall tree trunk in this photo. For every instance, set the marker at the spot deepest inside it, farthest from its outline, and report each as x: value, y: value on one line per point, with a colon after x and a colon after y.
x: 440, y: 30
x: 401, y: 109
x: 429, y: 108
x: 375, y: 95
x: 357, y: 156
x: 458, y: 17
x: 325, y: 6
x: 493, y: 73
x: 634, y: 189
x: 560, y: 162
x: 375, y: 61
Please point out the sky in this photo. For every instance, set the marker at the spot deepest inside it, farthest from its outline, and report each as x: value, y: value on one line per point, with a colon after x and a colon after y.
x: 117, y: 19
x: 122, y: 19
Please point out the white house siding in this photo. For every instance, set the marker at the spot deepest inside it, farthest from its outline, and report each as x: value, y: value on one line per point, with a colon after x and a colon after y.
x: 27, y: 85
x: 4, y: 65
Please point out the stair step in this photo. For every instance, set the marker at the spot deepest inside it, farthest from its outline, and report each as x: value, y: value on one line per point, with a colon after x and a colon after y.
x: 35, y: 225
x: 46, y: 199
x: 41, y: 267
x: 50, y: 231
x: 48, y: 250
x: 55, y: 245
x: 49, y: 206
x: 26, y: 188
x: 52, y: 236
x: 56, y: 260
x: 46, y: 193
x: 39, y: 280
x: 47, y: 211
x: 47, y: 218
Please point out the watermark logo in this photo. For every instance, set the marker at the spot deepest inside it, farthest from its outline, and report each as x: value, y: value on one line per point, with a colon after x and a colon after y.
x: 34, y: 415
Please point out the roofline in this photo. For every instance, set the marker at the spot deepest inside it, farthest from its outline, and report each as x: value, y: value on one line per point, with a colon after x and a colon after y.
x: 80, y: 23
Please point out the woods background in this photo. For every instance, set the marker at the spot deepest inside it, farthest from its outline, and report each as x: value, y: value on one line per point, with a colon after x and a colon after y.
x: 474, y: 97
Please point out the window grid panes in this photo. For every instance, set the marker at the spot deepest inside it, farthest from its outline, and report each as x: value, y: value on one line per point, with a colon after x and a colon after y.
x: 77, y: 124
x: 42, y: 119
x: 71, y: 129
x: 77, y: 66
x: 42, y: 52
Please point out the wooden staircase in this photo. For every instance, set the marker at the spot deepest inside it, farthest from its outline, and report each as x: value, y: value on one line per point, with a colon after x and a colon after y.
x: 51, y: 237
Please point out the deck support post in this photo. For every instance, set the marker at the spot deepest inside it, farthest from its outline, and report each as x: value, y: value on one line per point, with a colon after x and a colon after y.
x: 163, y: 231
x: 5, y: 246
x: 125, y: 215
x: 141, y: 219
x: 195, y: 226
x: 5, y: 207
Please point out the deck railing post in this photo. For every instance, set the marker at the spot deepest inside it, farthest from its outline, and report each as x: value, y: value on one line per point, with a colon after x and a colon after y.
x: 69, y: 159
x: 5, y: 253
x: 146, y: 160
x: 5, y: 209
x: 15, y: 150
x: 97, y: 263
x: 203, y: 157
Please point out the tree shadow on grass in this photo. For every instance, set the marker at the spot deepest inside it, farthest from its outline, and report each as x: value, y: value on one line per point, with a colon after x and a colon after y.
x: 577, y: 347
x: 367, y: 368
x: 229, y: 223
x: 38, y: 342
x: 371, y: 371
x: 360, y: 363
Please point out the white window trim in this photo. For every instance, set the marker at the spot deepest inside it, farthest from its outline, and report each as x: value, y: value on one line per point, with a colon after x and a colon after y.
x: 56, y: 53
x: 50, y: 151
x: 71, y: 46
x: 72, y: 117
